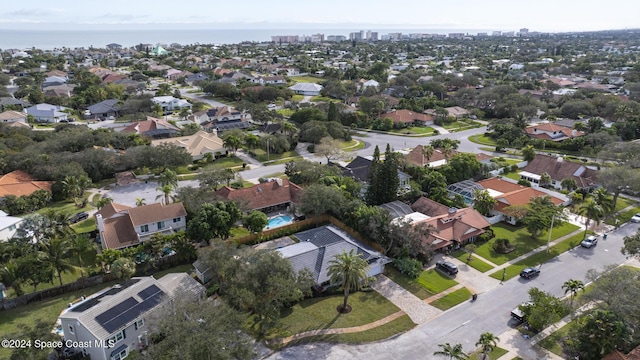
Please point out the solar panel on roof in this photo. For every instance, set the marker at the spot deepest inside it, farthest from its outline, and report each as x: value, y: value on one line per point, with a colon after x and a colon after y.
x: 106, y: 319
x: 87, y: 304
x: 148, y: 292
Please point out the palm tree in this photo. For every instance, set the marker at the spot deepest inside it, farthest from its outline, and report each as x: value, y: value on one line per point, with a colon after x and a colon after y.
x: 140, y: 202
x: 12, y: 276
x: 103, y: 201
x: 168, y: 177
x: 232, y: 143
x: 487, y: 342
x: 604, y: 199
x: 427, y: 153
x: 572, y: 286
x: 545, y: 179
x: 350, y: 270
x: 447, y: 150
x: 166, y: 191
x: 79, y: 246
x: 452, y: 352
x: 251, y: 141
x: 289, y: 129
x: 569, y: 184
x: 71, y: 188
x: 56, y: 253
x: 591, y: 210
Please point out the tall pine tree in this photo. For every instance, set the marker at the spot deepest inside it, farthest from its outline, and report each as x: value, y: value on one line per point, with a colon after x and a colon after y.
x: 375, y: 183
x: 389, y: 177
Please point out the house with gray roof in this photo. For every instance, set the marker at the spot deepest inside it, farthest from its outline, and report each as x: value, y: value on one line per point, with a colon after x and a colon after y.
x: 317, y: 247
x: 112, y: 322
x: 306, y: 89
x: 47, y: 113
x: 104, y: 109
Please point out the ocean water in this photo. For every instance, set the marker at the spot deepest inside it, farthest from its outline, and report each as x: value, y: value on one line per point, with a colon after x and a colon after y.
x: 50, y: 39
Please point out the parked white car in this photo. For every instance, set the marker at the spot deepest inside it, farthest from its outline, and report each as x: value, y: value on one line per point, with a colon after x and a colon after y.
x: 635, y: 218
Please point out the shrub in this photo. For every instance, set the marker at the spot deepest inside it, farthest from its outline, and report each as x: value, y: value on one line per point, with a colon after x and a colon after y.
x: 524, y: 182
x: 408, y: 266
x: 212, y: 290
x: 311, y: 148
x: 486, y: 236
x: 502, y: 246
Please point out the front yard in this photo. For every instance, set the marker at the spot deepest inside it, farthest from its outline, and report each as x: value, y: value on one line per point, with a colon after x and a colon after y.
x: 521, y: 239
x: 261, y: 155
x: 429, y: 283
x: 414, y: 130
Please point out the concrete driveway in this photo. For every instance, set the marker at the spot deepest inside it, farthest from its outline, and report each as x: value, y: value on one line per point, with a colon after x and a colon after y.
x: 128, y: 194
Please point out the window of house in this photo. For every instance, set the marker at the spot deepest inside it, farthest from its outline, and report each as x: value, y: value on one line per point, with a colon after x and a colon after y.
x: 139, y: 323
x: 175, y: 220
x: 121, y: 355
x: 144, y: 228
x: 71, y: 330
x: 115, y: 338
x: 160, y: 225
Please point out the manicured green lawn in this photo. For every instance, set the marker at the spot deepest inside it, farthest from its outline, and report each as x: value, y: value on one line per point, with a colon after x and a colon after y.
x: 474, y: 263
x: 448, y: 301
x: 352, y: 145
x: 622, y: 203
x: 67, y: 207
x: 308, y: 79
x: 541, y: 257
x: 321, y: 313
x: 261, y: 155
x: 521, y: 239
x: 395, y: 327
x: 496, y: 353
x: 227, y: 162
x: 622, y: 217
x: 427, y: 284
x: 238, y: 232
x: 553, y: 342
x: 84, y: 226
x: 287, y: 112
x: 482, y: 140
x: 514, y: 175
x: 187, y: 268
x: 462, y: 125
x: 419, y: 130
x: 297, y: 97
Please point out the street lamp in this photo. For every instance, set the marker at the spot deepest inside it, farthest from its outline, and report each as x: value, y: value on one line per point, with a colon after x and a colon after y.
x: 550, y: 230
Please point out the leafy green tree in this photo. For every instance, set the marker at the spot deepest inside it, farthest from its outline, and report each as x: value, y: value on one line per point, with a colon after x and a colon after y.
x: 251, y: 141
x: 599, y: 333
x: 454, y: 352
x: 330, y: 148
x: 350, y: 271
x: 214, y: 220
x: 34, y: 270
x: 487, y: 343
x: 255, y: 221
x: 632, y: 245
x: 545, y: 179
x: 216, y: 328
x: 483, y: 202
x: 616, y: 178
x: 572, y: 286
x: 460, y: 167
x: 332, y: 112
x: 569, y: 184
x: 232, y: 143
x: 318, y: 199
x: 40, y: 330
x: 185, y: 251
x: 544, y: 310
x: 123, y: 268
x: 604, y: 199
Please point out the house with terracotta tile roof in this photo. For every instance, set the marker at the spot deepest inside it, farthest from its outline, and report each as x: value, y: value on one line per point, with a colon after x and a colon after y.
x: 197, y: 145
x: 152, y: 127
x: 408, y: 117
x: 436, y: 159
x: 19, y: 183
x: 558, y: 169
x: 11, y: 116
x: 270, y: 196
x: 509, y: 194
x: 121, y: 226
x: 450, y: 228
x: 552, y: 132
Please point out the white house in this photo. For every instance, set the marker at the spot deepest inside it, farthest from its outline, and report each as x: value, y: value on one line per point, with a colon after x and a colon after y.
x: 306, y: 89
x: 8, y: 226
x: 169, y: 103
x: 121, y: 226
x: 370, y: 83
x: 47, y: 113
x: 111, y: 323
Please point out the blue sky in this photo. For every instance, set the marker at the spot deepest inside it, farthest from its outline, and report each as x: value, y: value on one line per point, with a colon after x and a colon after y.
x: 538, y: 15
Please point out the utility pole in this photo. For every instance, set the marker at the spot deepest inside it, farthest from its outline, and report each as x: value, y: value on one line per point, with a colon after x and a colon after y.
x: 550, y: 230
x: 267, y: 149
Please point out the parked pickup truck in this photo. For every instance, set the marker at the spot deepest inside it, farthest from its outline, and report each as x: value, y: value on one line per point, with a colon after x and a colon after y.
x: 519, y: 314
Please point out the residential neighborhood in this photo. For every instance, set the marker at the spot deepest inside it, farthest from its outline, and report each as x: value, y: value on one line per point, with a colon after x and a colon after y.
x: 372, y: 197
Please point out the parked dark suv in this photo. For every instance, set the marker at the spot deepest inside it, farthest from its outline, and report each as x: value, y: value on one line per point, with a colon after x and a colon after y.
x: 447, y: 267
x: 78, y: 217
x: 529, y: 273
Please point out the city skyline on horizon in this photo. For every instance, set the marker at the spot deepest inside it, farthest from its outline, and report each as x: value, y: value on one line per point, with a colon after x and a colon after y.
x: 499, y: 15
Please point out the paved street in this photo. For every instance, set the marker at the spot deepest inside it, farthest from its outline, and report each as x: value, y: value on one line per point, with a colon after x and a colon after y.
x: 465, y: 322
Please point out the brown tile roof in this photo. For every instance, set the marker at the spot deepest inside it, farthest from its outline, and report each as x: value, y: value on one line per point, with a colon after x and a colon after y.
x: 407, y: 116
x: 111, y: 209
x: 59, y: 73
x: 513, y: 194
x: 429, y: 207
x: 454, y: 226
x: 12, y: 115
x: 154, y: 212
x: 263, y: 195
x: 540, y: 131
x: 149, y: 125
x: 560, y: 169
x: 415, y: 156
x: 197, y: 144
x: 19, y: 183
x: 481, y: 157
x: 119, y: 232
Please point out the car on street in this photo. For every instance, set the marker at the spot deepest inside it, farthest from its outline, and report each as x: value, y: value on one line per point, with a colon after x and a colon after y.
x: 518, y: 314
x: 589, y: 242
x: 529, y: 273
x: 447, y: 267
x: 78, y: 217
x: 635, y: 218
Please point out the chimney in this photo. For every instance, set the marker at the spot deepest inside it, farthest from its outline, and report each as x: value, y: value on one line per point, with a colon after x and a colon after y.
x: 452, y: 210
x: 574, y: 133
x: 279, y: 181
x: 560, y: 159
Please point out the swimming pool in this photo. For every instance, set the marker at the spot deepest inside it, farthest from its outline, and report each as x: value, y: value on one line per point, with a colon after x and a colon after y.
x: 279, y: 220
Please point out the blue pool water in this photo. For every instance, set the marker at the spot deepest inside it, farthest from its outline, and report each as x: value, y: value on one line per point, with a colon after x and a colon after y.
x: 279, y: 221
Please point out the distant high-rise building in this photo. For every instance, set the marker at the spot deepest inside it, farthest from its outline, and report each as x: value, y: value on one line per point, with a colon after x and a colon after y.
x: 373, y: 36
x: 496, y: 33
x: 524, y: 31
x: 395, y: 36
x: 456, y: 35
x: 357, y: 36
x: 336, y: 38
x: 285, y: 39
x: 317, y: 37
